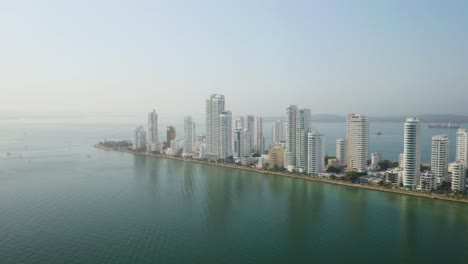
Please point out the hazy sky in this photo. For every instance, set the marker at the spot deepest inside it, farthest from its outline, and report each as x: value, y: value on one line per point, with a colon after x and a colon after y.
x: 375, y: 57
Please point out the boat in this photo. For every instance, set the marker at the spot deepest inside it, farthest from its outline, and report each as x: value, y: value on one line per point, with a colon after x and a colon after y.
x: 379, y: 134
x: 443, y: 125
x: 7, y: 154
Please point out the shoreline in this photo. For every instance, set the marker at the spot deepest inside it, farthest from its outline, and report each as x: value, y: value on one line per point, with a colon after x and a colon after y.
x: 291, y: 175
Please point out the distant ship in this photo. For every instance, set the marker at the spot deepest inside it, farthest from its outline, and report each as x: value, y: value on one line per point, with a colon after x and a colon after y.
x: 443, y: 125
x: 379, y: 134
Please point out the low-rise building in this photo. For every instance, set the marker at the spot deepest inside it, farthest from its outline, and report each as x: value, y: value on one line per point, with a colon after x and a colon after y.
x: 427, y: 181
x: 177, y: 145
x: 276, y: 157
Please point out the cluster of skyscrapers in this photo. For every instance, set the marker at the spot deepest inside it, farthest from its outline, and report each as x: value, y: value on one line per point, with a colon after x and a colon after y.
x: 298, y: 147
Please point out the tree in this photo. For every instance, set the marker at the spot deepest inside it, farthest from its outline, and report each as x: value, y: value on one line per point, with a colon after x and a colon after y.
x: 385, y: 164
x: 328, y: 157
x: 334, y: 169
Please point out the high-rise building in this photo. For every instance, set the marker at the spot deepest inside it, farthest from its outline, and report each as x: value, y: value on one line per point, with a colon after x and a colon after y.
x: 376, y: 158
x: 290, y: 152
x: 139, y: 138
x: 225, y: 135
x: 170, y: 135
x: 249, y: 123
x: 236, y: 143
x: 239, y: 122
x: 246, y: 143
x: 440, y: 156
x: 412, y: 152
x: 458, y: 176
x: 188, y: 135
x: 258, y: 135
x: 401, y: 160
x: 462, y: 146
x: 277, y: 132
x: 341, y: 151
x: 357, y: 142
x: 153, y: 131
x: 214, y: 106
x: 316, y: 153
x: 302, y: 128
x: 194, y: 133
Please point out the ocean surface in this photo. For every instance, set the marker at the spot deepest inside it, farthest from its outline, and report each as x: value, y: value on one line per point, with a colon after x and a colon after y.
x: 63, y: 201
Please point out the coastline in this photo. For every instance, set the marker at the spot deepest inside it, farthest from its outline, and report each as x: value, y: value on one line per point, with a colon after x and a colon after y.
x: 291, y: 175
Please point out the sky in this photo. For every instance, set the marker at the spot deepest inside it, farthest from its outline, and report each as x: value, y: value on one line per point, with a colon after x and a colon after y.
x: 128, y: 57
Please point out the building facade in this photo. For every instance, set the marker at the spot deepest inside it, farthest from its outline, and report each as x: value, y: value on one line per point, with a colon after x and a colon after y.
x: 412, y: 152
x: 188, y: 135
x: 258, y: 139
x: 427, y: 181
x: 458, y: 176
x: 276, y: 157
x: 225, y: 135
x: 277, y: 132
x: 302, y: 129
x: 316, y: 153
x: 440, y: 156
x: 341, y: 151
x: 462, y: 146
x: 170, y: 135
x: 357, y: 142
x: 139, y: 138
x: 153, y: 141
x: 214, y: 106
x: 290, y: 150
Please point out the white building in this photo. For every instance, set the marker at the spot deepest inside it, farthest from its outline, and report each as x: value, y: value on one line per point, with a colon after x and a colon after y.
x: 290, y: 153
x: 440, y: 156
x: 302, y: 128
x: 458, y: 176
x: 427, y: 181
x: 316, y: 153
x: 341, y: 151
x: 249, y: 125
x: 412, y: 152
x: 258, y: 139
x: 188, y: 135
x: 139, y: 138
x: 462, y: 146
x: 202, y: 151
x: 277, y: 132
x: 236, y: 142
x: 357, y: 142
x: 177, y: 145
x: 153, y: 131
x: 194, y: 133
x: 225, y: 135
x: 376, y: 158
x: 401, y: 160
x: 239, y: 122
x: 213, y: 108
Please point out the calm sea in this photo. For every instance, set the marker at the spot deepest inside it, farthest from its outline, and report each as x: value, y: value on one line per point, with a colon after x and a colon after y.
x: 63, y: 201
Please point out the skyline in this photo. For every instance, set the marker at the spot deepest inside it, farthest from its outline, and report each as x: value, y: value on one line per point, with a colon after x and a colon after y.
x: 386, y: 58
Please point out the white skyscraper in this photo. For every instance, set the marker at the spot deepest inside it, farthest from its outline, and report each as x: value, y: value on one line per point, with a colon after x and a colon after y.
x: 153, y: 131
x: 458, y: 176
x: 316, y: 153
x: 236, y: 143
x: 139, y: 138
x: 290, y: 153
x: 213, y: 109
x: 239, y: 122
x: 258, y: 135
x: 277, y: 132
x: 412, y: 152
x: 188, y: 134
x: 440, y: 156
x: 302, y: 128
x: 357, y: 142
x: 462, y: 146
x: 225, y: 135
x: 341, y: 151
x: 194, y: 133
x: 401, y: 160
x: 249, y: 123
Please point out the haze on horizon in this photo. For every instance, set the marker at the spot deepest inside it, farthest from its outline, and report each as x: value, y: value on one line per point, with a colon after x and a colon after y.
x: 375, y: 57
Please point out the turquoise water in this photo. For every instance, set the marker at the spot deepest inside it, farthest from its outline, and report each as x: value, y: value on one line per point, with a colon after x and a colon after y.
x: 76, y: 204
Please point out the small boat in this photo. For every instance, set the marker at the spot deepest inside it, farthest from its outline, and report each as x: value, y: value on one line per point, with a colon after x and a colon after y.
x: 7, y: 154
x: 379, y: 134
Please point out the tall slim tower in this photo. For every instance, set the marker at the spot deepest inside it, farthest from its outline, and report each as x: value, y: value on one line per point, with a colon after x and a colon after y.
x: 412, y: 152
x: 302, y: 128
x: 225, y: 135
x: 277, y: 132
x: 213, y: 108
x: 170, y: 135
x: 357, y: 140
x: 290, y: 153
x: 188, y: 134
x: 462, y: 146
x: 440, y: 155
x: 341, y: 151
x: 249, y: 123
x: 258, y: 135
x: 458, y: 176
x: 316, y: 153
x: 153, y: 131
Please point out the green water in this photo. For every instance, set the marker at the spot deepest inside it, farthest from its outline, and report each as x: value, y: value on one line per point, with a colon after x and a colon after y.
x: 110, y: 207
